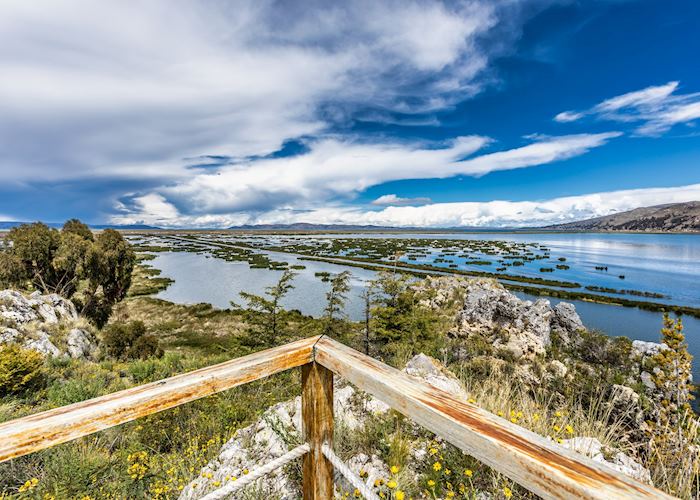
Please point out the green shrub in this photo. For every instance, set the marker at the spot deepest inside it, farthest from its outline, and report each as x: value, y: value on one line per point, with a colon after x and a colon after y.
x: 130, y: 341
x: 20, y: 370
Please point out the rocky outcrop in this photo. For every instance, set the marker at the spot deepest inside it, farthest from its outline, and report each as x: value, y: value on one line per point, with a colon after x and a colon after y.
x: 44, y: 323
x: 520, y: 326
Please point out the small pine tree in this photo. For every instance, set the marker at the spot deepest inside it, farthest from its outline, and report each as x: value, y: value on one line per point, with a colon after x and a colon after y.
x: 335, y: 301
x: 270, y: 306
x: 673, y: 377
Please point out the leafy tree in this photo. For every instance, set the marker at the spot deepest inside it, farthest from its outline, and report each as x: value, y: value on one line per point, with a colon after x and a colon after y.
x: 12, y: 271
x: 109, y: 265
x: 35, y: 245
x: 335, y: 300
x: 130, y: 341
x: 270, y: 306
x: 58, y: 261
x: 75, y: 226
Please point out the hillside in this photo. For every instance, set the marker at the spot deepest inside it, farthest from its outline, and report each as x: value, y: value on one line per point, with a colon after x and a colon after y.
x: 676, y: 217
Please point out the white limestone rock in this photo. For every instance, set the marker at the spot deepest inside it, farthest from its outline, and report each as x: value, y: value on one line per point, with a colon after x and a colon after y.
x: 616, y: 460
x: 80, y: 344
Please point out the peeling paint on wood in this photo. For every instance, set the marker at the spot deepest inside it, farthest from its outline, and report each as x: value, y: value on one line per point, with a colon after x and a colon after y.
x: 42, y: 430
x: 535, y: 463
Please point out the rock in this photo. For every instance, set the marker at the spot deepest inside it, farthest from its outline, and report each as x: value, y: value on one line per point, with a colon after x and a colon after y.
x: 29, y: 314
x: 41, y: 342
x: 80, y: 344
x: 558, y: 369
x: 625, y: 396
x: 521, y: 326
x: 641, y: 348
x: 566, y: 321
x: 16, y: 308
x: 434, y: 373
x: 8, y: 335
x: 618, y: 461
x: 646, y: 378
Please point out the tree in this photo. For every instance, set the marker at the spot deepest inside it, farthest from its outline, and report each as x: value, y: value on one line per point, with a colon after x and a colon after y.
x: 109, y: 264
x: 75, y: 226
x: 270, y: 306
x: 367, y: 296
x: 34, y: 255
x: 35, y: 245
x: 673, y: 377
x: 335, y: 300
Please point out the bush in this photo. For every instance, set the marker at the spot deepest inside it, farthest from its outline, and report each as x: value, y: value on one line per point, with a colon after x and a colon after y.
x: 130, y: 341
x: 20, y: 370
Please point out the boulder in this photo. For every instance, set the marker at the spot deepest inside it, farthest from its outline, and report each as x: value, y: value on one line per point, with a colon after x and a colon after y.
x: 41, y: 342
x: 643, y: 349
x: 80, y: 344
x: 616, y: 460
x: 434, y: 373
x: 566, y: 320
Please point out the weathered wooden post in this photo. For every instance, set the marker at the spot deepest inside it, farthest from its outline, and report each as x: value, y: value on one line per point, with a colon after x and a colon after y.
x: 317, y: 418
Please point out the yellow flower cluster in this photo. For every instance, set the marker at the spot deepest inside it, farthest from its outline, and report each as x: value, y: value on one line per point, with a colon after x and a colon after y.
x: 138, y: 465
x: 29, y: 485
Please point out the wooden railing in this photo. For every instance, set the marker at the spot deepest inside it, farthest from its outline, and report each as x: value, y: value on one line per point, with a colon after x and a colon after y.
x: 537, y: 464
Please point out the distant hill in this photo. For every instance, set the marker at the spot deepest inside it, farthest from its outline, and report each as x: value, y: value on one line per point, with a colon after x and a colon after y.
x: 306, y: 226
x: 672, y: 218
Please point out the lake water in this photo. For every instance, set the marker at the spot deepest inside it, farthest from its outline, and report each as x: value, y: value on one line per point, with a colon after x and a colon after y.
x: 671, y: 261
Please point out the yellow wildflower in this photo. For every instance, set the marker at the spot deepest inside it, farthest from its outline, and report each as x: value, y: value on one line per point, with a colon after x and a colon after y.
x: 394, y: 469
x: 499, y: 413
x: 391, y: 484
x: 400, y: 495
x: 431, y: 483
x: 507, y: 492
x: 569, y: 429
x: 437, y: 466
x: 556, y: 428
x: 468, y: 472
x: 357, y: 493
x: 472, y: 400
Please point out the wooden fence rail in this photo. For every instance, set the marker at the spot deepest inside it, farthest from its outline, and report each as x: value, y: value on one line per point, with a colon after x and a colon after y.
x: 537, y: 464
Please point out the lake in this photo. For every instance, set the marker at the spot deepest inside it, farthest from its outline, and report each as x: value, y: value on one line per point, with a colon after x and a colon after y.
x: 664, y: 263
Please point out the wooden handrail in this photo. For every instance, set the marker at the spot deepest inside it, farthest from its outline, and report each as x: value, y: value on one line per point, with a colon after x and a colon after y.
x: 535, y: 463
x: 49, y: 428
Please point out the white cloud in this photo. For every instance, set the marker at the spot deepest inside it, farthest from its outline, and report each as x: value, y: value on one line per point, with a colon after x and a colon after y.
x: 116, y: 90
x: 499, y: 213
x: 659, y: 108
x: 334, y: 168
x: 393, y: 200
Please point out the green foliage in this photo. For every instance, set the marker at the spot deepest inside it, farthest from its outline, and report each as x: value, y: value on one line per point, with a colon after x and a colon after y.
x: 674, y: 372
x: 270, y: 307
x: 335, y: 301
x: 12, y: 271
x: 78, y: 228
x: 130, y: 341
x: 398, y: 317
x: 57, y: 262
x: 20, y: 370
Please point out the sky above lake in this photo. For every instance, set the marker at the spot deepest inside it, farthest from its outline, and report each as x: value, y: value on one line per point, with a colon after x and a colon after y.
x: 176, y: 113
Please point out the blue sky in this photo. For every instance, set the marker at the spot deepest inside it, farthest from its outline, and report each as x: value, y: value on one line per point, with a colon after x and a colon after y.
x: 412, y: 113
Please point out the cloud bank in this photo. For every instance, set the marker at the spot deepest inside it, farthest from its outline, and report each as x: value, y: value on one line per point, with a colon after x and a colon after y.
x: 155, y: 210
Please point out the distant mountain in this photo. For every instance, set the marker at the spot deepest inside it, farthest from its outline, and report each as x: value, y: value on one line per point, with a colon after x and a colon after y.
x: 306, y: 226
x: 11, y: 224
x: 672, y: 218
